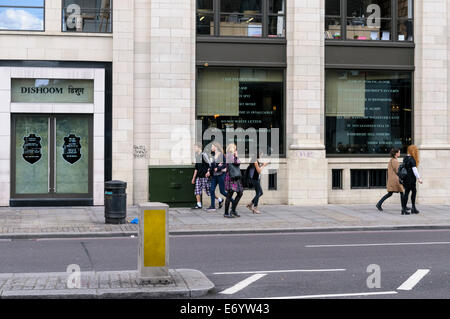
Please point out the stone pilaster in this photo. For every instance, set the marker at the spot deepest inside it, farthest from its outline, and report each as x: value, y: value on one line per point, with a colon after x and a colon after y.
x: 307, y: 166
x: 123, y: 93
x: 431, y: 112
x: 172, y: 49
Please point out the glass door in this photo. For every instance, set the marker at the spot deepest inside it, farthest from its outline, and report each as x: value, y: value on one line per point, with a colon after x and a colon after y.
x: 53, y: 156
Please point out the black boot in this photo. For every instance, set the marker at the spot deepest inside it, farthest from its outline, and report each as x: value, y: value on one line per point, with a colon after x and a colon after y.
x: 414, y: 210
x: 405, y: 212
x: 378, y: 205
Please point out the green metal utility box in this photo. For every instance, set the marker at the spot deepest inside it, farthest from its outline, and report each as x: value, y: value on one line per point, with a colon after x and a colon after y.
x: 171, y: 185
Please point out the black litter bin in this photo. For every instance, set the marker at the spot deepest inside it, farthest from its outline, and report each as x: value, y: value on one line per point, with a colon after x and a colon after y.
x: 115, y: 202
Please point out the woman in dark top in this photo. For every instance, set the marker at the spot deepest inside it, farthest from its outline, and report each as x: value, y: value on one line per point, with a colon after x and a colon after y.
x: 254, y: 179
x: 217, y: 173
x: 232, y: 185
x: 411, y: 162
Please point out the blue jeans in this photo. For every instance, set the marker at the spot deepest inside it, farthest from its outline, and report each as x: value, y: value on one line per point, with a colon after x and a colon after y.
x: 217, y: 180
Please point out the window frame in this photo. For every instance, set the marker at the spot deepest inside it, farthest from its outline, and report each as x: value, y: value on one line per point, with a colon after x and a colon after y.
x: 283, y: 132
x: 394, y: 19
x: 264, y: 14
x: 89, y: 32
x: 361, y: 155
x: 27, y: 7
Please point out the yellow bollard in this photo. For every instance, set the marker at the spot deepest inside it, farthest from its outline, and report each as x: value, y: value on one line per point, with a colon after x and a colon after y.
x: 153, y: 256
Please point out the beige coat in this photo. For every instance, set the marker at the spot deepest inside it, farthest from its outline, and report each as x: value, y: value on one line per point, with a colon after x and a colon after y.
x: 393, y: 185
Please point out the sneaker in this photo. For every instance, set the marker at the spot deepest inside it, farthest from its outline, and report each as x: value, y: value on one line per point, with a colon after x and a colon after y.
x: 228, y: 216
x: 235, y: 214
x: 197, y: 207
x: 210, y: 209
x: 220, y: 200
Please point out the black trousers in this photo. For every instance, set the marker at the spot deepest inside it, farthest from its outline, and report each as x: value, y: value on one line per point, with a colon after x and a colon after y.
x: 235, y: 202
x: 389, y: 194
x: 410, y: 189
x: 259, y: 192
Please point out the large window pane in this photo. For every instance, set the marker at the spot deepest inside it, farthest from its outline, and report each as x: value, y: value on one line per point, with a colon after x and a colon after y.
x: 22, y: 15
x: 367, y: 112
x: 405, y: 30
x: 87, y: 16
x: 240, y: 25
x: 241, y: 6
x: 243, y: 98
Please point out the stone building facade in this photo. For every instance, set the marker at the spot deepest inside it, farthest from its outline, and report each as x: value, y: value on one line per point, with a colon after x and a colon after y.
x: 145, y: 71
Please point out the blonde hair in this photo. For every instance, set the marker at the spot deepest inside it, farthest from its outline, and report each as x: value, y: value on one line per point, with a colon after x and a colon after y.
x: 218, y: 146
x: 414, y: 152
x: 230, y: 146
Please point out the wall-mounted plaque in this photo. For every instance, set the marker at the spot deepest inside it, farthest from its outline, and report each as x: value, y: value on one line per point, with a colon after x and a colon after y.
x: 32, y: 148
x: 72, y: 148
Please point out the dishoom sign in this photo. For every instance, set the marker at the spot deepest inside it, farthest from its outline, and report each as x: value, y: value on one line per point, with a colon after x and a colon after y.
x: 52, y: 91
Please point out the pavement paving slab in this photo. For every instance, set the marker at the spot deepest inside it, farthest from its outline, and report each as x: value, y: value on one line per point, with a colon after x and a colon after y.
x: 186, y: 283
x: 42, y: 222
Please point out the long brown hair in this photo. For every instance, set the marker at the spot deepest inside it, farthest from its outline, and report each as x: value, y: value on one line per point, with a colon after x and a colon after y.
x: 414, y: 152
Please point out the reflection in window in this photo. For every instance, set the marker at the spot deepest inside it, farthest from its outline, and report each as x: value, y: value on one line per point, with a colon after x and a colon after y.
x: 87, y: 16
x: 405, y: 20
x: 369, y: 20
x: 22, y: 15
x: 241, y: 98
x: 367, y: 112
x: 241, y: 18
x: 333, y: 19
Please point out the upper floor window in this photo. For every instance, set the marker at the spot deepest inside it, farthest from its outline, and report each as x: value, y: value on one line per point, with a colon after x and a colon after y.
x: 383, y: 20
x: 241, y: 18
x: 87, y: 16
x: 22, y: 15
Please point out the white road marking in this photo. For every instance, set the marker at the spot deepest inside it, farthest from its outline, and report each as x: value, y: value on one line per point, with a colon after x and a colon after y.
x: 412, y: 281
x: 276, y: 271
x: 241, y: 285
x: 336, y: 295
x: 380, y: 244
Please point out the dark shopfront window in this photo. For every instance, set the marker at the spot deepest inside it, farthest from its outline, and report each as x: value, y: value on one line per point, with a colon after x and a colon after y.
x: 241, y: 18
x: 368, y: 112
x: 22, y: 15
x: 243, y: 98
x: 94, y: 16
x: 371, y: 20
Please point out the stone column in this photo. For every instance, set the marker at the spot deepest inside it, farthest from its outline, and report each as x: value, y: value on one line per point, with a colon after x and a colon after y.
x: 431, y: 107
x: 307, y: 165
x: 123, y: 93
x: 142, y: 102
x: 172, y: 65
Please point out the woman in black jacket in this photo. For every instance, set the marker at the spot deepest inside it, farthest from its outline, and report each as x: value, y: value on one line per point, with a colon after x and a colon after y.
x: 411, y: 162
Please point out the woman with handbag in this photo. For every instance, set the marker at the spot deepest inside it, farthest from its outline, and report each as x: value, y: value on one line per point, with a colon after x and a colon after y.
x: 393, y: 183
x: 233, y: 183
x: 411, y: 162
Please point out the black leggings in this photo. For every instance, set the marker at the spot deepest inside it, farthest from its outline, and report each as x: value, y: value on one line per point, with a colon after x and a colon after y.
x: 413, y: 190
x: 389, y: 194
x: 230, y: 199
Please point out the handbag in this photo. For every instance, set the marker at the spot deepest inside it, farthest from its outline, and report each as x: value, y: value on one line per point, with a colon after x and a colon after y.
x: 234, y: 171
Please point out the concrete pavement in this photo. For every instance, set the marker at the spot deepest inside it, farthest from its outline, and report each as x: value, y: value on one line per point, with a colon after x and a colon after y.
x: 187, y: 283
x: 89, y: 221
